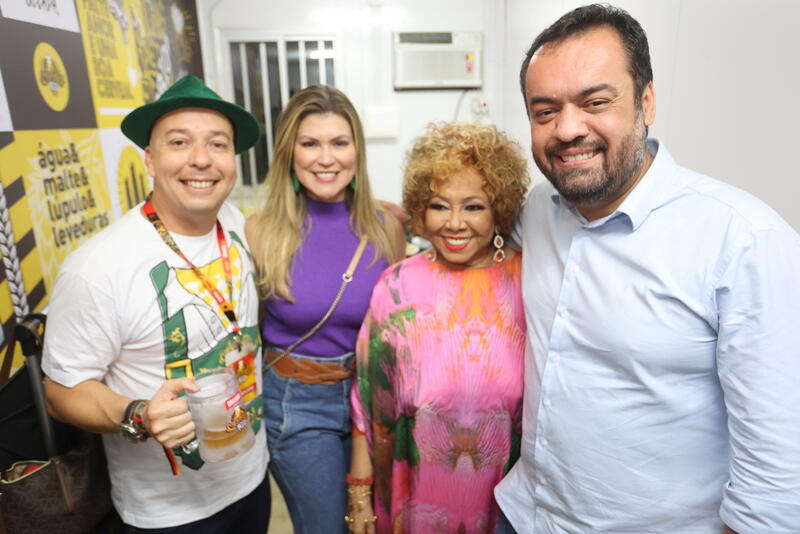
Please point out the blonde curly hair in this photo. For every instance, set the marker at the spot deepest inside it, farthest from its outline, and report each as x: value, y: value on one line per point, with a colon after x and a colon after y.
x: 449, y: 147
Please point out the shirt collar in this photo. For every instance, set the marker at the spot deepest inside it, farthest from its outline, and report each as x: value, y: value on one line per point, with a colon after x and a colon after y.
x: 653, y: 191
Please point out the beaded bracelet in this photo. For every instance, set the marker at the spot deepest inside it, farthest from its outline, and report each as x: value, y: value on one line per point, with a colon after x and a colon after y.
x: 353, y: 481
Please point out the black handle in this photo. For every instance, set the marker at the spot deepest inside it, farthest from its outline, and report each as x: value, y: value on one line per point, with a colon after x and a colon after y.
x: 29, y: 335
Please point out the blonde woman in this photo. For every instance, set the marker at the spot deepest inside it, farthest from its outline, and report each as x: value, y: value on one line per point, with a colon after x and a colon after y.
x: 317, y: 210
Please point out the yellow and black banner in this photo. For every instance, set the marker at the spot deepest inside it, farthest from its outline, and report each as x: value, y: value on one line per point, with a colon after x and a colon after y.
x: 70, y: 70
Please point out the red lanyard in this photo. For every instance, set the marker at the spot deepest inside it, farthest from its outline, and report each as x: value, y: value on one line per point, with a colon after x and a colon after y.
x: 223, y: 303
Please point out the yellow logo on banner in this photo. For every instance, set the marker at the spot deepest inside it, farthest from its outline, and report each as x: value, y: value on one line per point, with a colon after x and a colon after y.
x: 132, y: 182
x: 51, y: 76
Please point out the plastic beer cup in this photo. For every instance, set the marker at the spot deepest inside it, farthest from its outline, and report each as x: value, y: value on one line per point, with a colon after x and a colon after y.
x: 220, y: 418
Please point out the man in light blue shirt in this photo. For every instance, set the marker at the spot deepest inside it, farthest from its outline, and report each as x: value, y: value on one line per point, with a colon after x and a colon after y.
x: 662, y: 369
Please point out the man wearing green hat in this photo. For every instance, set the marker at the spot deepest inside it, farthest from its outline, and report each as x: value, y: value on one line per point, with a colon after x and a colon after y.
x: 164, y: 293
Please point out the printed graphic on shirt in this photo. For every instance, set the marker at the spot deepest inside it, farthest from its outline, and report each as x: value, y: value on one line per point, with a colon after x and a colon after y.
x: 198, y: 336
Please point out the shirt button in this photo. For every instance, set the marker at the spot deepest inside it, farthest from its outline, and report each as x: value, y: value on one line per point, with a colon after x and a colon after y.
x: 544, y: 443
x: 563, y: 314
x: 542, y: 481
x: 546, y: 402
x: 576, y: 269
x: 555, y: 356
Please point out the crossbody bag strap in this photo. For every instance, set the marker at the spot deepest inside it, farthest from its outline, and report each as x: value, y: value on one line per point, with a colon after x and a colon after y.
x: 347, y: 277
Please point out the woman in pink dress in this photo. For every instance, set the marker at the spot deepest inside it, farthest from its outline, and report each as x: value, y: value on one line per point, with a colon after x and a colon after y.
x: 437, y: 403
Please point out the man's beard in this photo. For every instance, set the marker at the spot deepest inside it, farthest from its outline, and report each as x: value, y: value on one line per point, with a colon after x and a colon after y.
x: 603, y: 185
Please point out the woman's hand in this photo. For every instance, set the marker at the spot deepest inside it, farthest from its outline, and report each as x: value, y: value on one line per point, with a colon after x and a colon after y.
x: 360, y: 517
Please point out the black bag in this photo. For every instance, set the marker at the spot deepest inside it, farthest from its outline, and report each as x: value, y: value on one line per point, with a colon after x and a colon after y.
x: 54, y: 476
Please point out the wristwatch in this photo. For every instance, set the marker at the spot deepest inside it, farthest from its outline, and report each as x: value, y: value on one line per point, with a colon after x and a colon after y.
x: 132, y: 424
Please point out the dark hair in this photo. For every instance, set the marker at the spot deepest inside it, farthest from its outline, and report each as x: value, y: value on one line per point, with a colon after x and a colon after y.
x: 585, y: 18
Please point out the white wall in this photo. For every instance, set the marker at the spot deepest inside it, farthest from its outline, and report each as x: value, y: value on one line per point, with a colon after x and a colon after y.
x: 363, y: 29
x: 726, y: 74
x: 727, y: 82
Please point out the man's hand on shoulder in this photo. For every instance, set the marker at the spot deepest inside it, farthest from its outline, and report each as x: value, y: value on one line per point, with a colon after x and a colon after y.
x: 395, y: 210
x: 167, y: 417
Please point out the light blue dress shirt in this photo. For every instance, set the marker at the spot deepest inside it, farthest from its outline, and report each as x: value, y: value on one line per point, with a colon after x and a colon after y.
x: 662, y: 387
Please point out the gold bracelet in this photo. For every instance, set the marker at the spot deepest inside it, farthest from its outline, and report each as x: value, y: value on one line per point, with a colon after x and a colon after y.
x: 358, y: 504
x: 348, y: 519
x: 359, y: 491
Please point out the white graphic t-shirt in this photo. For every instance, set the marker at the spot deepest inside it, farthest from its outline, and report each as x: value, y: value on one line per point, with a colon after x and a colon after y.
x: 128, y: 311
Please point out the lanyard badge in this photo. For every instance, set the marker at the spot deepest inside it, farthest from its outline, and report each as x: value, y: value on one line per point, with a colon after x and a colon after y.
x: 225, y: 305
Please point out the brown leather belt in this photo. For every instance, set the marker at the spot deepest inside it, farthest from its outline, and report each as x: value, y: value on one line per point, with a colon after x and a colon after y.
x: 309, y: 371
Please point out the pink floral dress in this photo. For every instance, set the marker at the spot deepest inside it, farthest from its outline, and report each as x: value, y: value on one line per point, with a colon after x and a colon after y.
x: 439, y: 393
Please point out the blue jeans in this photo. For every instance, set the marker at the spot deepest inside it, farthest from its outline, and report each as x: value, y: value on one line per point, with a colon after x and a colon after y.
x: 308, y: 433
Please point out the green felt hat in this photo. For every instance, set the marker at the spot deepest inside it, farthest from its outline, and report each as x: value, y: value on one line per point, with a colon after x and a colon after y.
x: 190, y: 92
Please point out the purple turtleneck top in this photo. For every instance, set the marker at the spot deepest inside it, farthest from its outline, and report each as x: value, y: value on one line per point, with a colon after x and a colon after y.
x: 316, y: 274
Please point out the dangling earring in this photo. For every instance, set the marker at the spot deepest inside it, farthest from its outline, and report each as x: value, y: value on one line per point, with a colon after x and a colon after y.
x: 296, y: 182
x: 352, y: 184
x: 432, y: 254
x: 499, y: 253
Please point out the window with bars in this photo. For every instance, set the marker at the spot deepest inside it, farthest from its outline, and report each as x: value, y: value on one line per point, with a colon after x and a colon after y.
x: 265, y: 75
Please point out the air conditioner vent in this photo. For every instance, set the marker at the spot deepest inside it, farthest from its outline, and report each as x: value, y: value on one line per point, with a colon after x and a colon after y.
x: 426, y: 37
x: 438, y: 60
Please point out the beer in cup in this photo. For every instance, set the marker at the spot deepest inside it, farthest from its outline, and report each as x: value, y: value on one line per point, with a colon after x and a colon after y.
x: 220, y: 418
